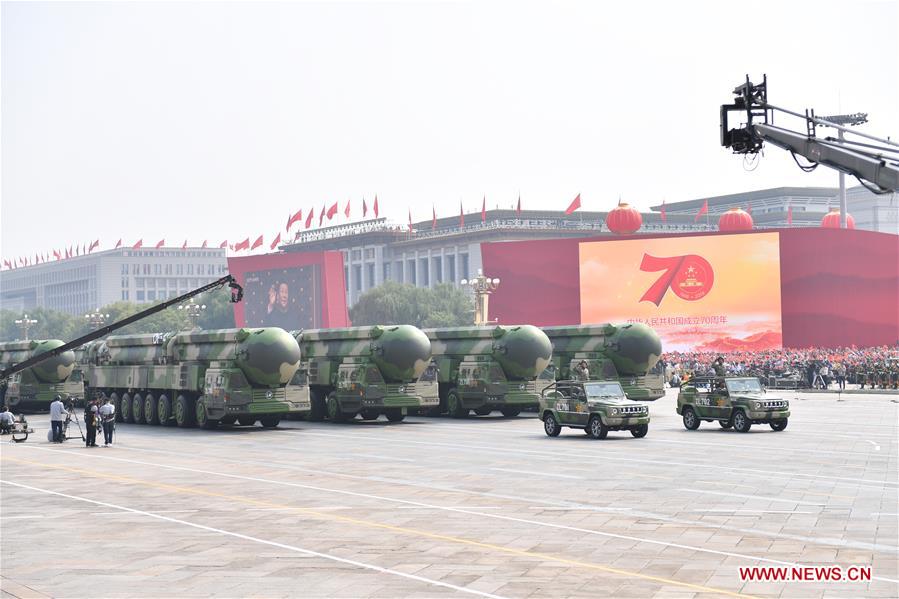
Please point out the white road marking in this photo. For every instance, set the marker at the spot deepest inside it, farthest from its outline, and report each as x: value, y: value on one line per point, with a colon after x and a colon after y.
x: 876, y: 446
x: 154, y: 511
x: 553, y: 508
x: 28, y: 517
x: 741, y: 496
x: 711, y: 511
x: 538, y: 473
x: 379, y: 457
x: 810, y: 540
x: 293, y: 548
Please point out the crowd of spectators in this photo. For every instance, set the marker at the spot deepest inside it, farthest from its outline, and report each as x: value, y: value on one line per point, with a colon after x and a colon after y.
x: 869, y: 367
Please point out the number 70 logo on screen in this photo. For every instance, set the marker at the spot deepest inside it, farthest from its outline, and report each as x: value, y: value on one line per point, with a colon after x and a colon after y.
x: 690, y: 277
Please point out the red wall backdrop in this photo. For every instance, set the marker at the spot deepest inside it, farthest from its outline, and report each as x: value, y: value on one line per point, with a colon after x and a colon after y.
x: 331, y: 280
x: 838, y: 287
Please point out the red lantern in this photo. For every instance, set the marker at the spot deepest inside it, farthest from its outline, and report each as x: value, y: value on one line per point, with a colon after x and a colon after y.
x: 735, y: 219
x: 831, y: 220
x: 624, y: 219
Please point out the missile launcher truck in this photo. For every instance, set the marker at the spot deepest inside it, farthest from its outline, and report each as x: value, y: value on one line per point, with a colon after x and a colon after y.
x: 485, y: 369
x: 369, y: 371
x: 35, y: 387
x: 624, y: 353
x: 198, y: 377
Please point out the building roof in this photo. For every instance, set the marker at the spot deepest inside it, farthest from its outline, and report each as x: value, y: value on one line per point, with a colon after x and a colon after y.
x: 732, y: 199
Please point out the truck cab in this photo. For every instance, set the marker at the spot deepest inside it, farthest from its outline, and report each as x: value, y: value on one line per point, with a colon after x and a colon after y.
x: 737, y: 402
x: 597, y: 407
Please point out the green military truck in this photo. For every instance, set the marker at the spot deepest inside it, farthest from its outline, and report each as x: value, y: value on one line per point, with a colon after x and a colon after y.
x: 205, y: 378
x: 35, y: 387
x: 597, y: 407
x: 737, y: 402
x: 485, y: 369
x: 368, y: 371
x: 624, y: 353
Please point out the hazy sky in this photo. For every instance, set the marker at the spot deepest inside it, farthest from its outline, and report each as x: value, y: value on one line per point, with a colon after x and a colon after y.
x: 215, y: 121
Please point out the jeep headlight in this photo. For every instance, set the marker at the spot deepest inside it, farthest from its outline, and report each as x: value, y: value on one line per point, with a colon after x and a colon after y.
x: 614, y: 411
x: 757, y: 405
x: 401, y: 389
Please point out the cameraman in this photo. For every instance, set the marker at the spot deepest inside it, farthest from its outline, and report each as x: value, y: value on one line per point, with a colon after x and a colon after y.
x: 58, y: 414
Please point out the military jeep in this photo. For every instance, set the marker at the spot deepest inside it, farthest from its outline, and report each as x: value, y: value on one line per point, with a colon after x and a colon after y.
x: 737, y: 402
x: 597, y: 407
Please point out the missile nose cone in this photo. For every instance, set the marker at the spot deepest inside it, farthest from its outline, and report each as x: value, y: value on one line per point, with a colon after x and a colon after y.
x: 637, y: 348
x: 269, y: 356
x: 524, y: 351
x: 403, y: 352
x: 56, y: 369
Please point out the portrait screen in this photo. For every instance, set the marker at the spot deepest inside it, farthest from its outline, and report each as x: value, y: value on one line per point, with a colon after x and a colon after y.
x: 710, y: 293
x: 289, y: 298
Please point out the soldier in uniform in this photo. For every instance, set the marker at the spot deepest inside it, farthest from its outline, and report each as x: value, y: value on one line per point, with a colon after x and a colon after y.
x: 581, y: 372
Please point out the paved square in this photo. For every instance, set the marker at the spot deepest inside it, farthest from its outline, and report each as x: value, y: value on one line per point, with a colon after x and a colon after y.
x: 441, y: 507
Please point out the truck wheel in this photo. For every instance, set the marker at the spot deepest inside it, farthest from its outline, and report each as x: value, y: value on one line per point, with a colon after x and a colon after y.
x: 640, y: 430
x: 742, y: 424
x: 691, y: 421
x: 227, y: 420
x: 318, y: 409
x: 246, y: 420
x: 726, y: 424
x: 137, y: 409
x: 270, y: 421
x: 511, y: 412
x: 483, y: 411
x: 370, y: 414
x: 151, y: 414
x: 551, y: 426
x: 778, y: 425
x: 203, y: 419
x: 126, y: 408
x: 334, y: 413
x: 454, y: 405
x: 164, y: 411
x: 395, y: 414
x: 184, y: 413
x: 117, y: 405
x: 596, y: 429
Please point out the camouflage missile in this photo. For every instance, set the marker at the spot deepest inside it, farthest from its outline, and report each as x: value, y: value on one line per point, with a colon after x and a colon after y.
x: 54, y: 370
x: 523, y: 351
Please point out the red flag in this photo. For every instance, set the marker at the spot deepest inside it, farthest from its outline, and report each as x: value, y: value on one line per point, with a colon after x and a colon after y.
x: 309, y: 219
x: 7, y: 264
x: 184, y: 245
x: 574, y: 205
x: 295, y: 218
x: 95, y: 244
x: 518, y: 210
x: 702, y: 211
x: 789, y: 215
x: 321, y: 216
x: 346, y: 211
x: 434, y: 217
x: 56, y: 254
x: 664, y: 214
x: 364, y: 208
x: 276, y: 241
x: 223, y: 244
x: 484, y: 210
x: 204, y: 244
x: 332, y: 211
x: 376, y: 206
x: 256, y: 243
x: 138, y: 245
x: 461, y: 217
x: 243, y: 245
x: 118, y: 244
x: 410, y: 219
x: 160, y: 243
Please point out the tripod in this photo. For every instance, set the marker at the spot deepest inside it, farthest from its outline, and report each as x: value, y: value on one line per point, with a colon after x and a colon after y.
x: 70, y: 415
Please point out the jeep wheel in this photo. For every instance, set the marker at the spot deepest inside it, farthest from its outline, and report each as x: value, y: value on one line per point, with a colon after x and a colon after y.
x: 640, y: 430
x: 370, y: 414
x: 551, y: 426
x: 778, y: 425
x: 246, y: 420
x: 454, y: 405
x: 691, y: 421
x: 596, y: 429
x: 726, y: 424
x: 511, y: 412
x: 270, y: 421
x: 334, y: 413
x: 184, y: 413
x: 742, y: 424
x: 483, y: 411
x: 395, y: 414
x: 228, y: 420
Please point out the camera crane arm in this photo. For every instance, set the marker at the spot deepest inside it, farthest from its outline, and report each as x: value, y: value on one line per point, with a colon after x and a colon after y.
x: 236, y: 296
x: 877, y: 163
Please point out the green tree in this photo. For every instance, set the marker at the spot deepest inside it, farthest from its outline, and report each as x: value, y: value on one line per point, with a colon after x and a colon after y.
x: 397, y: 303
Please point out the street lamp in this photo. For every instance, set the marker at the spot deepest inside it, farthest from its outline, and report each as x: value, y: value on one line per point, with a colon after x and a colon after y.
x: 192, y: 312
x: 852, y: 120
x: 25, y: 323
x: 96, y: 319
x: 482, y: 287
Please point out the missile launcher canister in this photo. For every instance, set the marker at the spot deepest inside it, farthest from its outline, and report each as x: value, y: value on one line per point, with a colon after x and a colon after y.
x: 485, y: 369
x: 34, y: 388
x: 368, y: 370
x: 203, y: 377
x: 625, y: 353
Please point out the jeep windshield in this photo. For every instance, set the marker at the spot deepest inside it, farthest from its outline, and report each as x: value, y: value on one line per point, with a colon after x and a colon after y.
x: 603, y: 390
x: 747, y: 385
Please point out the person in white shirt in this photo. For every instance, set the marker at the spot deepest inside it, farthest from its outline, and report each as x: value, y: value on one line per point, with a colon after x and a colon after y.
x: 58, y: 415
x: 6, y: 420
x: 107, y: 417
